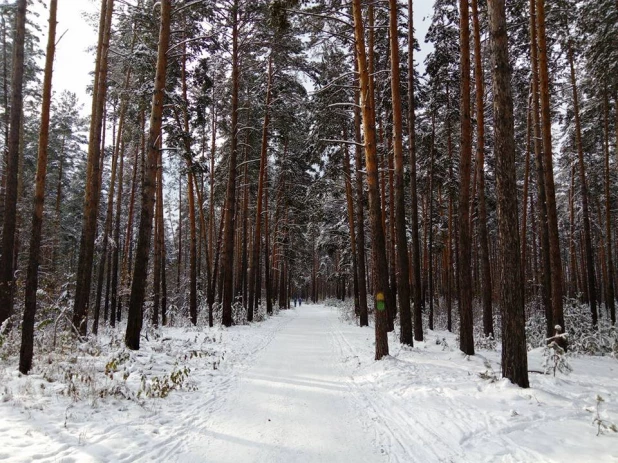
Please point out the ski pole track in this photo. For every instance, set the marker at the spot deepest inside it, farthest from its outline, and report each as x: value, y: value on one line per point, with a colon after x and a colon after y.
x: 395, y: 426
x: 383, y: 438
x: 197, y: 416
x: 291, y: 405
x: 166, y: 421
x: 313, y: 374
x: 409, y: 432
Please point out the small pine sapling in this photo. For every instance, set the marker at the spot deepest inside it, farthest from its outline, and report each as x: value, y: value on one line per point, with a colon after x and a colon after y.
x: 602, y: 425
x: 555, y: 355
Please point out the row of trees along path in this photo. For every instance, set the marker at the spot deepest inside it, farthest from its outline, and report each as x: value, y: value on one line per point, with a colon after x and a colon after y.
x: 244, y: 153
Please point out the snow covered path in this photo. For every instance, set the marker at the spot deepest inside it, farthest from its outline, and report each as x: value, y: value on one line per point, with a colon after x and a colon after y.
x: 292, y: 405
x: 301, y: 386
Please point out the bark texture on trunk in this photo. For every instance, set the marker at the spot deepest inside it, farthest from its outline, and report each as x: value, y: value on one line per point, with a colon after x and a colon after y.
x: 350, y: 205
x: 403, y: 279
x: 7, y: 263
x: 514, y: 353
x: 555, y: 258
x: 93, y: 183
x: 466, y: 340
x: 360, y: 215
x: 546, y: 278
x: 32, y: 280
x: 140, y: 272
x: 488, y: 324
x: 592, y: 292
x: 610, y: 302
x: 381, y: 286
x: 416, y: 257
x: 228, y: 231
x: 257, y: 238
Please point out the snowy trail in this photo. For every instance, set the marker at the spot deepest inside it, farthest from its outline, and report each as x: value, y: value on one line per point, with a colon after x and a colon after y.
x: 292, y: 404
x: 302, y: 386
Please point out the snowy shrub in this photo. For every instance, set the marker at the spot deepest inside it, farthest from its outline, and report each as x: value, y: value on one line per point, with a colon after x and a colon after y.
x: 346, y: 309
x: 79, y: 381
x: 216, y: 312
x: 202, y: 313
x: 485, y: 342
x: 583, y: 337
x: 115, y: 362
x: 260, y: 314
x: 161, y: 386
x: 442, y: 342
x: 489, y: 375
x: 602, y: 424
x: 10, y: 338
x: 555, y: 356
x: 239, y: 314
x: 440, y: 318
x: 172, y: 314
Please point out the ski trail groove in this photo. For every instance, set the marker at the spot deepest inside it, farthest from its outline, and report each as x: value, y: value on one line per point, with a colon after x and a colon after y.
x: 292, y: 404
x: 195, y: 414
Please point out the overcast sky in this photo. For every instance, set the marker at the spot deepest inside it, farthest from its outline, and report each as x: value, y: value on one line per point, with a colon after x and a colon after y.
x: 74, y: 64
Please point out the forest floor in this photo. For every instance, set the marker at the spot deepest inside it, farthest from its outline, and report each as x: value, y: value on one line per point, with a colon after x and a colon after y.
x: 301, y: 386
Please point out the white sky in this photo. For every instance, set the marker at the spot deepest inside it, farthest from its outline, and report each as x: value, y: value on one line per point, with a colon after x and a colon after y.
x: 74, y: 64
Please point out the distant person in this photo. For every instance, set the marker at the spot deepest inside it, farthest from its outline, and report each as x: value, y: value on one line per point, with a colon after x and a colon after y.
x: 295, y: 301
x: 300, y: 301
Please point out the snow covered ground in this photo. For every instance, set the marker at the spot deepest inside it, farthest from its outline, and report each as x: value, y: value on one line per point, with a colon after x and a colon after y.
x: 300, y: 387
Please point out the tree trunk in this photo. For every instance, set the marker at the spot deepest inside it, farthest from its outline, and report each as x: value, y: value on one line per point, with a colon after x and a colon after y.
x: 430, y: 220
x: 108, y: 223
x: 257, y: 238
x: 163, y: 263
x: 228, y: 241
x: 179, y: 257
x: 550, y: 191
x: 451, y: 226
x: 93, y: 184
x: 514, y: 354
x: 56, y: 232
x: 190, y: 195
x: 572, y: 253
x: 215, y: 273
x: 138, y: 286
x: 466, y: 340
x: 211, y: 202
x: 158, y: 229
x: 116, y: 251
x: 360, y: 214
x: 610, y: 302
x: 27, y: 331
x: 7, y: 264
x: 416, y: 261
x: 347, y: 175
x: 488, y: 328
x: 546, y: 268
x: 5, y: 103
x: 584, y: 192
x: 524, y: 208
x: 392, y: 239
x: 380, y: 266
x: 207, y: 251
x: 267, y: 279
x: 128, y: 244
x: 244, y: 264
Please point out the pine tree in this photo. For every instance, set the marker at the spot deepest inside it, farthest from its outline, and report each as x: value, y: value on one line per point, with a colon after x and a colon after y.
x: 514, y: 353
x: 138, y: 286
x: 26, y: 351
x: 7, y: 259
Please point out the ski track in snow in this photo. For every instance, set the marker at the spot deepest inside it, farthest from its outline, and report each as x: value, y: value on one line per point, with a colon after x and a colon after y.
x: 290, y: 405
x: 303, y: 387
